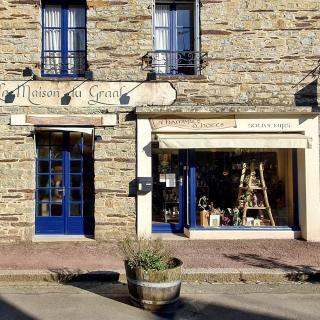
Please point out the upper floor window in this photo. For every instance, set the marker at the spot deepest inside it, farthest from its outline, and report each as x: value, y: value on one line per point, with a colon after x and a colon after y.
x: 174, y: 37
x: 63, y: 38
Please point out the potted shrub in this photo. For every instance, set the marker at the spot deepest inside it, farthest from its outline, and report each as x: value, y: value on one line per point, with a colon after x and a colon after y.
x: 153, y: 276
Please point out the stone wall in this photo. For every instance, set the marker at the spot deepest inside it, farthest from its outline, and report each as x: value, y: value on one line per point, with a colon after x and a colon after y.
x: 257, y: 51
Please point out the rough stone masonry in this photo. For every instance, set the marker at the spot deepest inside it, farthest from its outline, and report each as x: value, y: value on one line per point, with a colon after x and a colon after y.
x: 257, y: 51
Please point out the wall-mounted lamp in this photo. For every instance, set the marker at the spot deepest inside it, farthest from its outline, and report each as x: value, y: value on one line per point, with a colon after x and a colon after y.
x: 88, y: 75
x: 65, y: 100
x: 124, y: 99
x: 27, y: 72
x: 9, y: 97
x: 151, y: 76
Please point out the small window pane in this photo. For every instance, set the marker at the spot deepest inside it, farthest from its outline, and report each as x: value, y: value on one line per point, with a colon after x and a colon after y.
x: 42, y: 138
x: 76, y: 195
x: 184, y: 16
x: 52, y: 40
x: 56, y: 138
x: 43, y: 209
x: 56, y: 152
x: 75, y: 166
x: 162, y: 16
x: 76, y: 17
x: 76, y: 62
x: 43, y: 181
x: 185, y: 42
x: 56, y: 195
x: 56, y: 209
x: 75, y: 209
x: 76, y: 40
x: 56, y: 166
x: 52, y: 63
x: 43, y: 195
x: 52, y: 16
x: 75, y: 181
x: 43, y: 152
x: 56, y: 181
x: 43, y: 167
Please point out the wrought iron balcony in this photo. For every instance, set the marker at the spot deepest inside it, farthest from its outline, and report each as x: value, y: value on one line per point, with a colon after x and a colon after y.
x: 54, y: 64
x: 175, y: 62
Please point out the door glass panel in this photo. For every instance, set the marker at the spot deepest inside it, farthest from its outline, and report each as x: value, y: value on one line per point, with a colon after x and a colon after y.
x: 165, y: 195
x: 43, y: 194
x: 75, y: 151
x: 56, y: 138
x: 75, y: 181
x: 56, y: 181
x: 56, y: 152
x: 75, y: 138
x: 43, y: 167
x: 75, y: 209
x: 43, y: 152
x: 56, y: 209
x: 56, y: 195
x: 43, y: 209
x: 56, y: 166
x: 75, y: 166
x: 43, y: 138
x: 76, y: 195
x: 43, y: 181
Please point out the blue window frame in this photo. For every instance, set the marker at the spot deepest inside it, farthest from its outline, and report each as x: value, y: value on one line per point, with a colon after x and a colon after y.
x: 174, y: 36
x: 64, y: 183
x: 63, y: 38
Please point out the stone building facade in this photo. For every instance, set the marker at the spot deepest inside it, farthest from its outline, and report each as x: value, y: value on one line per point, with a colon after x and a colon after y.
x: 256, y: 52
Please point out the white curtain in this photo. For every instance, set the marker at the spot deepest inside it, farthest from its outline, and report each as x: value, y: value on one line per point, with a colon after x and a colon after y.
x: 52, y: 39
x: 76, y: 39
x: 162, y: 38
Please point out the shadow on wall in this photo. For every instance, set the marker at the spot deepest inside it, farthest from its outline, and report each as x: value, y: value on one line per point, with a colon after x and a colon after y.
x: 308, y: 96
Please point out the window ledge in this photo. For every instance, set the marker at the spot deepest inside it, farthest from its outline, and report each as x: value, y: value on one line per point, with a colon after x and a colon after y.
x: 181, y: 77
x: 60, y: 78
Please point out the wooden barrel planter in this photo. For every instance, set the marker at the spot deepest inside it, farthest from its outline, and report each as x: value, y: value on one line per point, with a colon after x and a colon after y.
x: 154, y: 290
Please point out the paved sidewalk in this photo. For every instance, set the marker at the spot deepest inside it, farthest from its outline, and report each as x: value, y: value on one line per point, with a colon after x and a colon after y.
x: 216, y: 261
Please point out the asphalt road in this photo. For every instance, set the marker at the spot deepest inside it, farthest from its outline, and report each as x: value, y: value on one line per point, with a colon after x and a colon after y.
x: 92, y: 301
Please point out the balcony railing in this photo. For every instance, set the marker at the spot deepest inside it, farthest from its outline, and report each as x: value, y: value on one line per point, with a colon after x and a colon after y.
x: 53, y: 64
x: 175, y: 62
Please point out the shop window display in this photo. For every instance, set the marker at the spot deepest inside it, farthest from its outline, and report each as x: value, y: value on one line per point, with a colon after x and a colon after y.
x: 208, y: 188
x: 165, y: 197
x: 243, y: 188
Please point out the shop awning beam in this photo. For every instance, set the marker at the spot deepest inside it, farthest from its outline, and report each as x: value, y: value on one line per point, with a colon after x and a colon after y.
x: 227, y: 141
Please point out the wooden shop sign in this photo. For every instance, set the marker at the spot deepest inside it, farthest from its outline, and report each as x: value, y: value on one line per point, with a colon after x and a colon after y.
x: 195, y: 124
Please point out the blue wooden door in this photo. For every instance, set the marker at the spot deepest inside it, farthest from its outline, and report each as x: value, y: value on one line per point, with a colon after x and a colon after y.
x: 64, y: 183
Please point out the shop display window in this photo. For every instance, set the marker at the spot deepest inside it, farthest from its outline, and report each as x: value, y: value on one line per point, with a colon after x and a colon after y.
x: 165, y: 196
x: 244, y: 188
x: 208, y: 188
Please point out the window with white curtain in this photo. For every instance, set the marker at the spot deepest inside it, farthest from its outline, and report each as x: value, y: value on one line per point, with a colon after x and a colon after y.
x: 175, y: 34
x: 64, y: 38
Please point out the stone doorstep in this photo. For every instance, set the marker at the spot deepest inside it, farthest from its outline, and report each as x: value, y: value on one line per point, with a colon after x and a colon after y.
x: 215, y: 275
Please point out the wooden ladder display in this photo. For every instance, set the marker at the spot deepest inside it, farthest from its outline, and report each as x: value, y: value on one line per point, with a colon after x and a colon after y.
x: 251, y: 188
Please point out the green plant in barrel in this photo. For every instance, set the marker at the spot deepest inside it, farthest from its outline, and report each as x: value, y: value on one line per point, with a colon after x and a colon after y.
x: 153, y: 275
